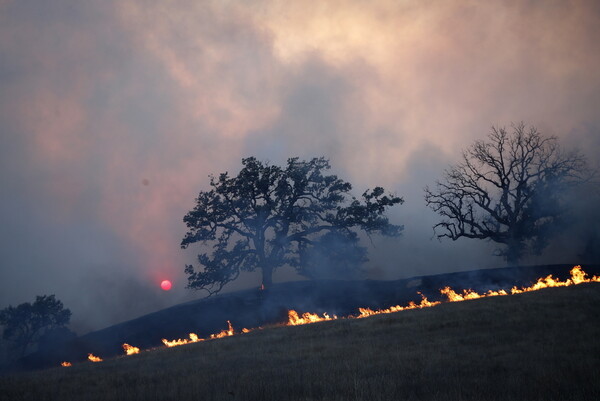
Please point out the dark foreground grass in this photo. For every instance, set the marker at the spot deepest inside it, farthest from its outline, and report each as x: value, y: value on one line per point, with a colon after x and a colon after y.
x: 536, y: 346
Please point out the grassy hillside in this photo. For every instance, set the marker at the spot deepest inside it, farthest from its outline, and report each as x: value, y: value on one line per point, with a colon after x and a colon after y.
x: 542, y: 345
x: 254, y: 308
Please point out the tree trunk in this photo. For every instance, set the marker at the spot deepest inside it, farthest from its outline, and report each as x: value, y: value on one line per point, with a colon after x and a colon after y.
x: 267, y: 276
x: 23, y: 348
x: 514, y: 251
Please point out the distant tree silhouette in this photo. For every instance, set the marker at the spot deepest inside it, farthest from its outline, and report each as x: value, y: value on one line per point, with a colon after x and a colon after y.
x: 270, y: 216
x: 507, y: 190
x: 26, y: 323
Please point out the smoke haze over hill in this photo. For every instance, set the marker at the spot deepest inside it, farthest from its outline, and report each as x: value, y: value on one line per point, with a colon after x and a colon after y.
x: 113, y: 114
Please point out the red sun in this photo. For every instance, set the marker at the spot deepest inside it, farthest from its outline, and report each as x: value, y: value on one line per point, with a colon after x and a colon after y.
x: 165, y: 285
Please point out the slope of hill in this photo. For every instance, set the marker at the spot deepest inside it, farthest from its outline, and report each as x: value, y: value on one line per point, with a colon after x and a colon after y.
x: 254, y: 308
x: 542, y: 345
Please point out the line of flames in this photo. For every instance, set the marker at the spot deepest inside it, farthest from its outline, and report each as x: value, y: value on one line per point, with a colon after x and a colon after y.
x: 578, y: 276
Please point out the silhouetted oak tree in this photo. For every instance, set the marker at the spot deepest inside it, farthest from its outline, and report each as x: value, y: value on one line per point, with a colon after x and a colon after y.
x: 26, y: 323
x: 507, y: 190
x: 270, y: 216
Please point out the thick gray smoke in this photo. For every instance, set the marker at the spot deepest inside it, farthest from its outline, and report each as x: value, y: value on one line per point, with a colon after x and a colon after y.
x: 112, y: 115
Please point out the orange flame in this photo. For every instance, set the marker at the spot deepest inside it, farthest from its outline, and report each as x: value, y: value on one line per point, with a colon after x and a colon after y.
x: 94, y: 358
x: 295, y: 320
x: 224, y: 333
x: 194, y: 337
x: 66, y: 364
x: 453, y: 296
x: 425, y: 303
x: 174, y: 343
x: 578, y: 276
x: 130, y: 350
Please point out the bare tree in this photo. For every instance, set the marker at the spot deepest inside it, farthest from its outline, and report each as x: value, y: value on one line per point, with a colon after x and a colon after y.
x: 507, y: 190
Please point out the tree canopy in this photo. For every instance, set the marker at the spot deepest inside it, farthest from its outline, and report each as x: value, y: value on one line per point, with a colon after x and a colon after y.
x: 507, y: 189
x: 268, y: 216
x: 26, y: 323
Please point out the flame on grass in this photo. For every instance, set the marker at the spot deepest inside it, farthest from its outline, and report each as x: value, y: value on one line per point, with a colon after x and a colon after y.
x: 174, y: 343
x: 425, y: 303
x: 578, y: 276
x: 66, y: 364
x: 194, y: 337
x: 130, y: 349
x: 453, y: 296
x: 225, y: 333
x: 296, y: 320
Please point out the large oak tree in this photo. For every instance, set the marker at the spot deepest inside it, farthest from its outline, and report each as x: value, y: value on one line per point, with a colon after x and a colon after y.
x: 507, y: 189
x: 268, y: 216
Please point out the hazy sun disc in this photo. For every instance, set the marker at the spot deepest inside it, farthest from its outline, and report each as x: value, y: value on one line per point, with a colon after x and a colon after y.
x: 165, y: 285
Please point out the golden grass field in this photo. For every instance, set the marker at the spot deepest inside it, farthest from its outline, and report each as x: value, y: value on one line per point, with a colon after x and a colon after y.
x: 542, y: 345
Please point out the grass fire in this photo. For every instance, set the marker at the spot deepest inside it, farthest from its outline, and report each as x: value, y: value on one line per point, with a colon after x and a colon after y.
x: 534, y: 345
x: 94, y: 358
x: 130, y: 350
x: 577, y: 276
x: 299, y: 200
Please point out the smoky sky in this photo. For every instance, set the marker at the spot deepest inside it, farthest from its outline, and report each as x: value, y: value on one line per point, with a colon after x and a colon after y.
x: 113, y: 114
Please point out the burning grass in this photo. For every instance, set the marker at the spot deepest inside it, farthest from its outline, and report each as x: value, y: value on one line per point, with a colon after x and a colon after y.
x: 578, y: 276
x: 130, y: 349
x: 93, y: 358
x: 531, y: 346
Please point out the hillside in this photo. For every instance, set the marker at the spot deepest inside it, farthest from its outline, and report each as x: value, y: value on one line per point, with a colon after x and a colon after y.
x: 542, y: 345
x: 254, y: 308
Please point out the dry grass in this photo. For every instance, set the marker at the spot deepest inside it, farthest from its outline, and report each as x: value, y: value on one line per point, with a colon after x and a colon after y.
x: 535, y: 346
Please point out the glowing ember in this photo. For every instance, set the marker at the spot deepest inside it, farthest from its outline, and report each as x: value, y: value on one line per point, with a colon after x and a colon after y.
x: 166, y: 285
x: 130, y: 350
x: 246, y: 330
x: 295, y: 320
x: 66, y: 364
x: 94, y: 358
